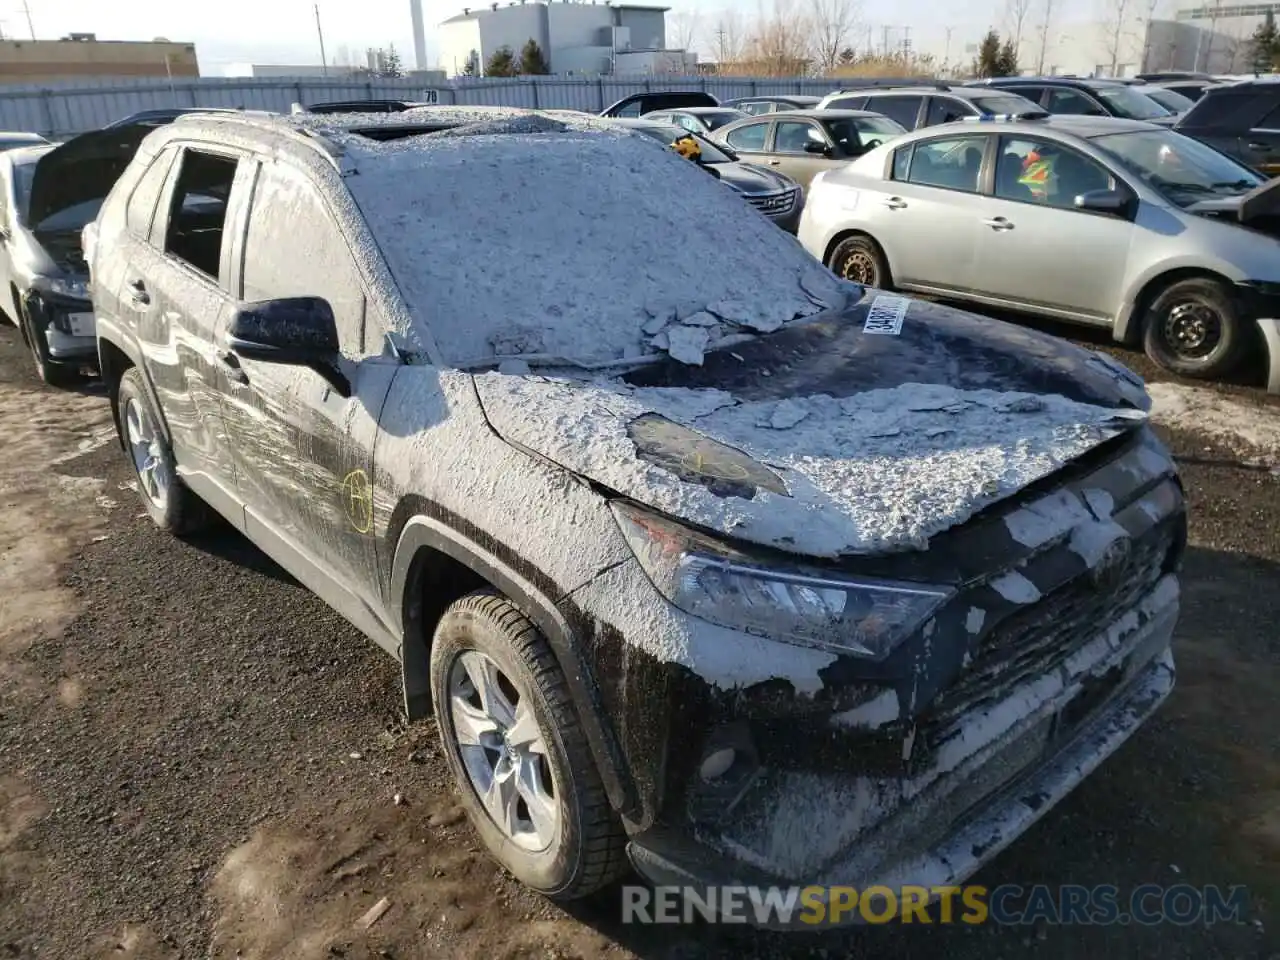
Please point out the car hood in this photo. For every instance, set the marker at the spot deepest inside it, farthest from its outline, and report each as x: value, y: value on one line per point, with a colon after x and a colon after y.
x: 861, y: 431
x: 752, y: 180
x: 1259, y: 205
x: 81, y: 170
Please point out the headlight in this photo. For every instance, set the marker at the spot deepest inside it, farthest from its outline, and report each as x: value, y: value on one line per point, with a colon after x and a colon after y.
x: 712, y: 581
x: 63, y: 287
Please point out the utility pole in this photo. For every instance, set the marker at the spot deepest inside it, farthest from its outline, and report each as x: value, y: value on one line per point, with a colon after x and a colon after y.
x: 26, y: 9
x: 324, y: 61
x: 884, y: 43
x: 946, y: 51
x: 906, y: 41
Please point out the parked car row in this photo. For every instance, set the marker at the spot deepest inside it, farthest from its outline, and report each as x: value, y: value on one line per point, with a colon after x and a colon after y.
x: 706, y: 562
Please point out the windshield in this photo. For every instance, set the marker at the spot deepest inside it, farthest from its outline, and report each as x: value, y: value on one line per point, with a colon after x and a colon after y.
x: 582, y: 245
x: 1182, y: 169
x: 1170, y: 99
x: 1001, y: 106
x: 716, y: 120
x: 667, y: 135
x: 1129, y: 103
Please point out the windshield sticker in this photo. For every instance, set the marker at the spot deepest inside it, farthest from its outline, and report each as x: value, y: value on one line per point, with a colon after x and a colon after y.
x: 357, y: 500
x: 693, y: 458
x: 885, y: 315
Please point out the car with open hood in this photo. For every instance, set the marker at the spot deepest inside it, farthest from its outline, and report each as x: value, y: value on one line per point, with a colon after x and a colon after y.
x: 1112, y: 223
x: 739, y: 574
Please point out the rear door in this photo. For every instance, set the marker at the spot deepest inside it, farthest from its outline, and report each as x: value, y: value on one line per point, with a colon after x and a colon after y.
x: 1041, y: 253
x: 906, y: 108
x: 942, y: 109
x: 929, y: 214
x: 305, y: 451
x: 177, y: 287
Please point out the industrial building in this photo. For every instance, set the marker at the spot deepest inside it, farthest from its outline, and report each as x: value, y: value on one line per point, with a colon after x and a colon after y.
x: 84, y: 55
x: 575, y: 37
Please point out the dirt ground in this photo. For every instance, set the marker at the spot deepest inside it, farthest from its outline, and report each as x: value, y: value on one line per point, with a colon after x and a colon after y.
x: 199, y: 759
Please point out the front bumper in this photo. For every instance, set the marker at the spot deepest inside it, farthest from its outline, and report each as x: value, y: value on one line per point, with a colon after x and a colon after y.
x: 967, y: 833
x: 1261, y: 303
x: 50, y: 315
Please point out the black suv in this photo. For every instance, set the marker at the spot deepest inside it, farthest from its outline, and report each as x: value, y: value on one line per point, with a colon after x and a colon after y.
x: 1079, y: 95
x: 925, y: 105
x: 1240, y: 119
x: 751, y: 575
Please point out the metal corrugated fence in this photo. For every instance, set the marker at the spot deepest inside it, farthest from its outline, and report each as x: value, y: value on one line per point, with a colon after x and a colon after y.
x: 66, y: 108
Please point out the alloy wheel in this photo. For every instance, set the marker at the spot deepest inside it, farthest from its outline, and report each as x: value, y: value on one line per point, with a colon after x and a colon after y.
x: 503, y: 750
x: 147, y: 454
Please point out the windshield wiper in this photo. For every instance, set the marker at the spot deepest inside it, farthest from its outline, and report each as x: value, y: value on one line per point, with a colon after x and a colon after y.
x: 1233, y: 185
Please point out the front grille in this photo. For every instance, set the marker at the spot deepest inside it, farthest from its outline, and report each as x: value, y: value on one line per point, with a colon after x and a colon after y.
x: 774, y: 204
x: 1038, y: 640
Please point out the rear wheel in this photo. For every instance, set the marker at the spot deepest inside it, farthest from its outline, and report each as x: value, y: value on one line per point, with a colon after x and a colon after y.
x: 861, y: 260
x: 1193, y: 327
x: 167, y: 500
x: 513, y: 741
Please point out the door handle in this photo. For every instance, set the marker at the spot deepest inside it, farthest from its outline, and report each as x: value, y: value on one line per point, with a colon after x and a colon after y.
x: 775, y: 163
x: 998, y: 223
x: 231, y: 366
x: 139, y: 295
x: 895, y: 203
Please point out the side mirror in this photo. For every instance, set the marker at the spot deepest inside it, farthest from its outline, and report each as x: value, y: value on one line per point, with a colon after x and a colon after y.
x: 821, y: 149
x: 295, y: 331
x: 1102, y: 201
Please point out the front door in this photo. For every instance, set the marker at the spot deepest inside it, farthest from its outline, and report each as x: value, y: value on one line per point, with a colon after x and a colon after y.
x: 1037, y: 250
x: 793, y: 142
x: 304, y: 450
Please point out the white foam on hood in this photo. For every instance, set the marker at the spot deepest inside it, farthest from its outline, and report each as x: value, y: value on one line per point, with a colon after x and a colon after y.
x: 571, y: 243
x: 882, y: 470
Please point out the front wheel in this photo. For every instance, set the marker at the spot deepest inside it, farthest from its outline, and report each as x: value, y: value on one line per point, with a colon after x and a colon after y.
x: 861, y: 260
x: 168, y: 502
x: 516, y: 748
x: 1194, y: 328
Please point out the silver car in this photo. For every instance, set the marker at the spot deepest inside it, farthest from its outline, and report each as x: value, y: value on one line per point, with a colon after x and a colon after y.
x: 1097, y: 220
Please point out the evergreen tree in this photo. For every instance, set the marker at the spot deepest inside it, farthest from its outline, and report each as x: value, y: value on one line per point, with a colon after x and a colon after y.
x: 391, y: 66
x: 472, y: 67
x: 502, y: 64
x: 1264, y: 47
x: 1007, y: 61
x: 532, y: 62
x: 988, y: 62
x: 847, y: 56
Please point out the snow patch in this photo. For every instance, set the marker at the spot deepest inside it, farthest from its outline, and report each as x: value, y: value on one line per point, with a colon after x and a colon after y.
x: 1046, y: 519
x: 1015, y: 588
x: 1092, y: 540
x: 877, y: 712
x: 687, y: 344
x: 1248, y: 428
x: 975, y: 619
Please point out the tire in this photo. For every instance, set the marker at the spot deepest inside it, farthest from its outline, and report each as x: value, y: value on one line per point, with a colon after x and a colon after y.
x: 168, y: 502
x: 582, y: 850
x: 1194, y: 328
x: 50, y: 371
x: 861, y: 260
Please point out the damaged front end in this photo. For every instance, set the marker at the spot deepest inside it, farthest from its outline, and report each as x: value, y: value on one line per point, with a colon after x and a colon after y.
x: 60, y: 313
x: 1045, y: 644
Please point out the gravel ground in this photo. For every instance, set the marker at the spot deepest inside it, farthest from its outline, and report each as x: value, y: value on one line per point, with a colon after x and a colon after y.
x: 198, y: 758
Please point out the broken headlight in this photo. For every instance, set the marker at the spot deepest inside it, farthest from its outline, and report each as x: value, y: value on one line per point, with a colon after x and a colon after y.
x: 711, y: 580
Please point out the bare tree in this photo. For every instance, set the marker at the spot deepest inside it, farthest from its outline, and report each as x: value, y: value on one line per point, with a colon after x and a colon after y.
x: 834, y: 24
x: 779, y: 45
x: 1016, y: 13
x: 684, y: 29
x: 1117, y: 29
x: 1152, y: 11
x: 1047, y: 10
x: 728, y: 37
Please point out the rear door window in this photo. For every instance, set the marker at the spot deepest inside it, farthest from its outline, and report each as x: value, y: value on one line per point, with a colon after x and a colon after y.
x: 904, y: 109
x: 953, y: 163
x: 198, y: 210
x: 848, y: 103
x: 1066, y: 100
x: 749, y: 138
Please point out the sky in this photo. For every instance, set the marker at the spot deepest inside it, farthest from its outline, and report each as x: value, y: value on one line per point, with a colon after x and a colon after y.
x: 284, y: 31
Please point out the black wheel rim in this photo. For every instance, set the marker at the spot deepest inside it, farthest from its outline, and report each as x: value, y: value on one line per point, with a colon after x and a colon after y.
x: 1191, y: 329
x: 860, y: 267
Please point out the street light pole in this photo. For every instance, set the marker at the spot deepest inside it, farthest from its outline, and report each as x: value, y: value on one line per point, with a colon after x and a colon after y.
x: 26, y: 9
x: 324, y: 61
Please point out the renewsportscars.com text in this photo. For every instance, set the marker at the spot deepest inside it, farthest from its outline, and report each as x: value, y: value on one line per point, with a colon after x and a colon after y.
x: 1010, y: 904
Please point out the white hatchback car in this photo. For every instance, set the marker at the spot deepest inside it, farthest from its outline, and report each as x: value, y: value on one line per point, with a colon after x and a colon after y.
x: 1097, y: 220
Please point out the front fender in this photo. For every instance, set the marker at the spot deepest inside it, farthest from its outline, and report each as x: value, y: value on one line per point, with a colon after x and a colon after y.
x: 531, y: 591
